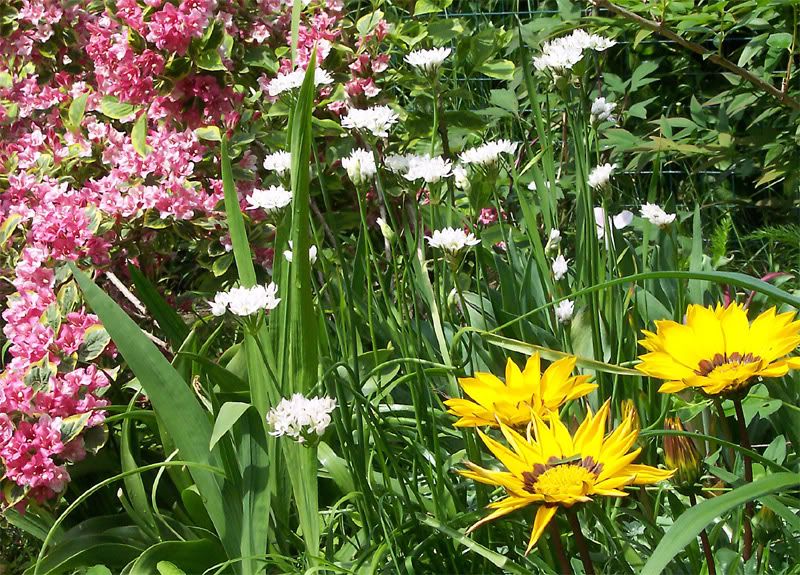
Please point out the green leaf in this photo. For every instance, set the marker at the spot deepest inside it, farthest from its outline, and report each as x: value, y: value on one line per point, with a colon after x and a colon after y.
x: 209, y: 133
x: 499, y: 69
x: 184, y: 419
x: 211, y: 60
x: 139, y: 135
x: 229, y: 414
x: 76, y: 111
x: 191, y: 556
x: 98, y: 570
x: 95, y: 340
x: 692, y: 521
x: 366, y: 23
x: 115, y: 109
x: 780, y: 40
x: 168, y: 568
x: 175, y: 330
x: 430, y: 6
x: 241, y: 246
x: 8, y: 226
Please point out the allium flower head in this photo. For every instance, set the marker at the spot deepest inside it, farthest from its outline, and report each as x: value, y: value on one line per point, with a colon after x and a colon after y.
x: 523, y: 393
x: 560, y: 267
x: 301, y: 418
x: 279, y: 162
x: 601, y: 175
x: 602, y: 110
x: 552, y: 468
x: 461, y: 178
x: 273, y: 199
x: 452, y: 240
x: 656, y: 215
x: 286, y: 82
x: 488, y: 153
x: 360, y: 166
x: 243, y: 301
x: 620, y: 221
x: 376, y: 120
x: 718, y: 351
x: 427, y: 60
x: 564, y: 311
x: 561, y: 54
x: 429, y: 169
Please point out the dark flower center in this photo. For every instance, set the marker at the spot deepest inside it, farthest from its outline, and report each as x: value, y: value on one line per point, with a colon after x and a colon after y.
x: 531, y: 477
x: 706, y: 366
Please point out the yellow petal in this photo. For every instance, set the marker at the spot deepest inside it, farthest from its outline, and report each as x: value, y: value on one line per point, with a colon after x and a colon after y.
x: 507, y: 457
x: 509, y: 505
x: 672, y: 387
x: 514, y: 377
x: 543, y: 517
x: 645, y: 474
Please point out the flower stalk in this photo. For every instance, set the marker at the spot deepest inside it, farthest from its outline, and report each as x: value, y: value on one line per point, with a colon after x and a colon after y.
x: 747, y: 546
x: 580, y: 540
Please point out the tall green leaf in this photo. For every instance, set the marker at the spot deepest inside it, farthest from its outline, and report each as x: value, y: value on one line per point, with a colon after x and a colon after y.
x: 241, y: 247
x: 168, y: 319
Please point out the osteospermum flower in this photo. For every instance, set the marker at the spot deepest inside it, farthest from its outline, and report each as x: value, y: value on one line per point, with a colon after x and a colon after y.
x: 376, y: 120
x: 524, y: 393
x: 360, y: 165
x: 244, y: 301
x: 273, y: 199
x: 301, y: 418
x: 656, y: 215
x: 488, y: 153
x: 553, y: 469
x: 427, y: 60
x: 717, y: 351
x: 279, y: 162
x: 429, y: 169
x: 452, y: 240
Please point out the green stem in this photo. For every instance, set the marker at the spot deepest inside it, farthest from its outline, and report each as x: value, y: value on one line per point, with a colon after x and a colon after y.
x: 747, y: 549
x: 558, y: 549
x: 712, y: 568
x: 580, y: 540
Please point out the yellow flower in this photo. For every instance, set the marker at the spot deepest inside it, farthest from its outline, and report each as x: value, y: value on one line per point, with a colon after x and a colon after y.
x: 523, y: 393
x: 718, y: 351
x: 554, y: 469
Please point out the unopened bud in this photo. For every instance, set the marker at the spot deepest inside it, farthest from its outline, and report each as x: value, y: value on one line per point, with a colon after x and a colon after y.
x: 681, y: 455
x: 629, y: 412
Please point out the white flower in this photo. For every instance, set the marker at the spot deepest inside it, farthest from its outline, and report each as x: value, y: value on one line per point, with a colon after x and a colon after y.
x: 488, y: 153
x: 451, y: 240
x: 279, y: 162
x: 620, y: 221
x: 429, y: 169
x: 292, y: 80
x: 560, y: 267
x: 601, y: 110
x: 564, y: 310
x: 563, y: 53
x: 360, y: 165
x: 657, y: 216
x: 219, y: 305
x: 312, y: 253
x: 377, y: 120
x: 461, y: 178
x: 601, y: 175
x: 553, y: 240
x: 270, y: 200
x: 246, y: 301
x: 427, y: 60
x: 301, y: 418
x: 398, y: 163
x: 532, y: 186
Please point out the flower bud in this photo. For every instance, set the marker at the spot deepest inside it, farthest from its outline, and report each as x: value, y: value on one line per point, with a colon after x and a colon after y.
x: 766, y: 526
x: 629, y: 412
x: 681, y: 455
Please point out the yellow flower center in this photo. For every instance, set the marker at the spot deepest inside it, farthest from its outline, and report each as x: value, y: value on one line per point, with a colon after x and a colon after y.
x: 727, y: 366
x: 562, y: 481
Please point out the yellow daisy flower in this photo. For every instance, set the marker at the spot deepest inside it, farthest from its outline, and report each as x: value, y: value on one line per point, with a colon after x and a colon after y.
x: 523, y: 393
x: 554, y: 469
x: 718, y: 351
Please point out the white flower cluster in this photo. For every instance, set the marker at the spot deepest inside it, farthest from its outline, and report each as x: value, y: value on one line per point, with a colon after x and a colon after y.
x: 377, y: 120
x: 398, y: 163
x: 243, y: 301
x: 301, y: 418
x: 427, y: 60
x: 656, y: 215
x: 564, y: 311
x: 429, y: 169
x: 461, y: 178
x: 601, y: 175
x: 288, y: 81
x: 561, y: 54
x: 560, y: 267
x: 270, y: 200
x: 451, y: 240
x: 552, y: 240
x: 601, y: 220
x: 360, y: 165
x: 312, y: 253
x: 602, y: 110
x: 279, y: 162
x: 488, y: 153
